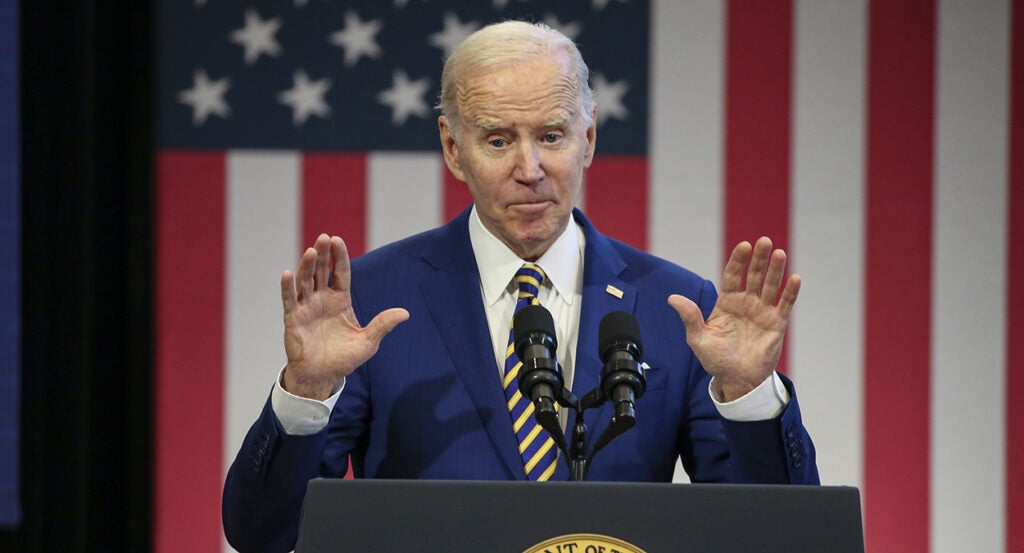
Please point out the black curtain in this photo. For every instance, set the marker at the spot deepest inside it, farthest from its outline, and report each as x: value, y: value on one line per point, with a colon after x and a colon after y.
x: 87, y: 125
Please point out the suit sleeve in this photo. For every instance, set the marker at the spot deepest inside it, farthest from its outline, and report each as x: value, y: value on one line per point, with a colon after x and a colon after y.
x: 266, y: 484
x: 774, y: 451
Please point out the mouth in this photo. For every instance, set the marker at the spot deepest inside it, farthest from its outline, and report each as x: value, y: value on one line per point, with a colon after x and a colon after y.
x: 530, y: 202
x: 530, y: 207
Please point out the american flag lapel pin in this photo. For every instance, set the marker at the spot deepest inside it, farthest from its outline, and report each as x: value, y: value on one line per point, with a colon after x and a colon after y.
x: 614, y: 291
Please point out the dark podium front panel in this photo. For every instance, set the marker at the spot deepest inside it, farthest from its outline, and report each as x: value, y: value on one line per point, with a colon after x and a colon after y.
x: 434, y: 516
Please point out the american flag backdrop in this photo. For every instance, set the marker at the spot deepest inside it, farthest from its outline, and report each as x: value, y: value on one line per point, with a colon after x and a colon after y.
x: 881, y: 142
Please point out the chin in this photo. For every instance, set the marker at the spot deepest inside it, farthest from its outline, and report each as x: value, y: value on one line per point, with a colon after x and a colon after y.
x: 536, y: 235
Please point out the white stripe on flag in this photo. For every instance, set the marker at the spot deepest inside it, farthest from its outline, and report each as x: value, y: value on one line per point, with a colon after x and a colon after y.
x: 263, y: 205
x: 687, y: 73
x: 969, y: 275
x: 827, y: 242
x: 685, y: 152
x: 404, y: 195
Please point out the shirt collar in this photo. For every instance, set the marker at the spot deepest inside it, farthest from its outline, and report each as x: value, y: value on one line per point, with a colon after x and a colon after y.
x: 497, y: 264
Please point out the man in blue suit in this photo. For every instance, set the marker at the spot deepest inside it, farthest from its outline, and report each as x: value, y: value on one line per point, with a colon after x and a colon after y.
x: 518, y: 126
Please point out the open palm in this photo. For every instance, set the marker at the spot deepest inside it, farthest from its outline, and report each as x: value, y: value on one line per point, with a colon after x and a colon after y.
x: 323, y: 339
x: 741, y: 341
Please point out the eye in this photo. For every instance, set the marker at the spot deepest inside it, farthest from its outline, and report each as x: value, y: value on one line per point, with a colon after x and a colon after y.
x: 552, y: 137
x: 497, y: 142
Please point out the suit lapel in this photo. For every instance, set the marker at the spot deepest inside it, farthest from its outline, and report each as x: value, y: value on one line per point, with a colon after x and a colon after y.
x: 602, y: 285
x: 453, y: 298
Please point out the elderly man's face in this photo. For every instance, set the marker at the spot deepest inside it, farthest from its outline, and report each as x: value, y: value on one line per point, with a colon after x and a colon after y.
x: 522, y: 149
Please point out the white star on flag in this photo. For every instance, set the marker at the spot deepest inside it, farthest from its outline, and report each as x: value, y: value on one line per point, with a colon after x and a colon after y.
x: 571, y: 29
x: 358, y: 38
x: 257, y: 36
x: 206, y: 97
x: 608, y: 97
x: 453, y: 33
x: 405, y: 97
x: 306, y: 98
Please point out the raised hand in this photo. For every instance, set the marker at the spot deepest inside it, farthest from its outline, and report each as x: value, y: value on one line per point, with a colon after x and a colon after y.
x: 322, y: 337
x: 741, y: 341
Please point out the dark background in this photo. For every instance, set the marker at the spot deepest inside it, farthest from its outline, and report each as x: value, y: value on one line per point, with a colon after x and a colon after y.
x: 86, y: 113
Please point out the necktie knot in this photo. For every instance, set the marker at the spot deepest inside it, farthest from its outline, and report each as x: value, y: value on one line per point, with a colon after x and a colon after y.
x: 529, y: 278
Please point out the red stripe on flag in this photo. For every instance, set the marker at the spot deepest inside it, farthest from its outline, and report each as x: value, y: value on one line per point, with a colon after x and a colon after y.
x: 334, y: 199
x: 456, y: 194
x: 1015, y: 294
x: 900, y: 142
x: 759, y: 62
x: 616, y: 198
x: 189, y: 350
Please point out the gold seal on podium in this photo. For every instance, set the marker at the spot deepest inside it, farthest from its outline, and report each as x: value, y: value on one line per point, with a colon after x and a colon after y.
x: 584, y: 543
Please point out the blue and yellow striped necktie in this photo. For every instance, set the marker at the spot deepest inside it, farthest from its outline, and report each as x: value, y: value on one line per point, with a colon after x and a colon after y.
x: 535, y: 444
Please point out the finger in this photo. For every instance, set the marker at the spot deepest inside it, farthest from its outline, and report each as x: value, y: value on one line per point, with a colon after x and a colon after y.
x: 789, y: 295
x: 288, y: 291
x: 385, y: 322
x: 323, y: 259
x: 692, y: 318
x: 773, y: 278
x: 304, y: 276
x: 732, y: 277
x: 341, y: 270
x: 758, y: 263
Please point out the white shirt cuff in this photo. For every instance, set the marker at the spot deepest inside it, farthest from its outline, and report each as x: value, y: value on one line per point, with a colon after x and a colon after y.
x: 765, y: 402
x: 301, y: 416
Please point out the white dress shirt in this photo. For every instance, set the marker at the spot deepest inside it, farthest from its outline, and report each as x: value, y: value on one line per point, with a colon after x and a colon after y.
x: 561, y: 294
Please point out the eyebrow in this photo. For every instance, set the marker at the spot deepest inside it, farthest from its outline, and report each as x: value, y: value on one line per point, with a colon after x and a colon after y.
x: 561, y: 120
x: 487, y: 124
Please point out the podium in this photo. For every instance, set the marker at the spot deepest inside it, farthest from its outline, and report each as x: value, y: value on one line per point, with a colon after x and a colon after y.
x: 570, y: 517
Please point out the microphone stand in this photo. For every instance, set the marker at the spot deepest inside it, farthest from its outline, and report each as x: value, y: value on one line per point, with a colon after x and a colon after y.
x: 576, y: 454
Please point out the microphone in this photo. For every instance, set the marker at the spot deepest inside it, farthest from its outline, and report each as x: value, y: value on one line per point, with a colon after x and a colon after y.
x: 540, y: 377
x: 622, y: 379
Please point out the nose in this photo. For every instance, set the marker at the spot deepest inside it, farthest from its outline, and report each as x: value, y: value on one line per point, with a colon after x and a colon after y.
x: 528, y: 168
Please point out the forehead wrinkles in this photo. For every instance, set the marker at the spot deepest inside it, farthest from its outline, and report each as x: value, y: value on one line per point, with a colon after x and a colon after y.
x: 490, y: 100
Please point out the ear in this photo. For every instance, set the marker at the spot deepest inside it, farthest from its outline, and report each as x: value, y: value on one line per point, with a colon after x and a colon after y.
x: 588, y: 158
x: 450, y: 148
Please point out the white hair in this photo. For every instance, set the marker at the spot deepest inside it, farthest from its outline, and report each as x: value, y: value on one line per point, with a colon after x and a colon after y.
x: 504, y: 44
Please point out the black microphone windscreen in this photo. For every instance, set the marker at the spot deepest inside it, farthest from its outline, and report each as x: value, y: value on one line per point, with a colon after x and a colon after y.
x: 532, y: 319
x: 618, y: 326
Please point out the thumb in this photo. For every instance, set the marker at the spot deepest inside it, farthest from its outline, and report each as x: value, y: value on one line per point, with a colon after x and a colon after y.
x: 692, y: 318
x: 385, y: 322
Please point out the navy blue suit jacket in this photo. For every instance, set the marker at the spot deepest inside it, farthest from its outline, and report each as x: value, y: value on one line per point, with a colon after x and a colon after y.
x: 430, y: 404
